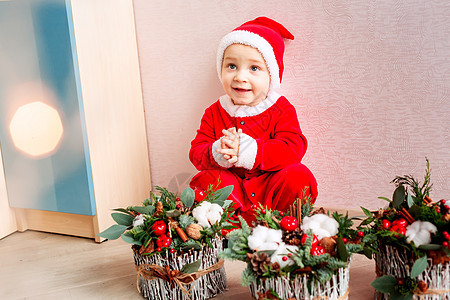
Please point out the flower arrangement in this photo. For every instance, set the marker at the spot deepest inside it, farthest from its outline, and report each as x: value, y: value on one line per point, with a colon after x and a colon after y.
x: 411, y: 245
x: 300, y: 254
x: 176, y: 240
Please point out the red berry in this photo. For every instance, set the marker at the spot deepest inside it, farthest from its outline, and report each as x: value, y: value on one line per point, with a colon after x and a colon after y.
x: 158, y: 249
x: 178, y: 199
x: 166, y: 243
x: 400, y: 281
x: 344, y: 240
x: 317, y: 250
x: 447, y: 207
x: 284, y: 258
x: 253, y: 206
x: 290, y: 254
x: 386, y: 224
x: 443, y: 201
x: 315, y: 240
x: 172, y: 250
x: 402, y: 230
x: 446, y: 235
x: 281, y: 213
x: 159, y: 227
x: 400, y: 222
x: 438, y: 210
x: 178, y: 206
x: 263, y: 211
x: 445, y: 244
x: 360, y: 233
x: 288, y: 223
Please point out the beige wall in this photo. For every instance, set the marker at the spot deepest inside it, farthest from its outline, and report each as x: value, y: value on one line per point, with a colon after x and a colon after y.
x: 370, y: 81
x: 7, y: 216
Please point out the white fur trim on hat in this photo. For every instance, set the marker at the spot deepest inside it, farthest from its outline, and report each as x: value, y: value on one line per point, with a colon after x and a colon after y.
x: 248, y: 149
x: 218, y: 157
x: 240, y: 111
x: 251, y: 39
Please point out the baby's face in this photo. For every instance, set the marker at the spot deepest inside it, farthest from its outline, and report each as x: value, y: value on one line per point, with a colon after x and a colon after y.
x: 245, y: 77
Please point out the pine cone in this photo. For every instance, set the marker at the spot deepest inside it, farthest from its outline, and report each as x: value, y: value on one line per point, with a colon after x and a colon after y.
x: 293, y: 237
x: 258, y: 261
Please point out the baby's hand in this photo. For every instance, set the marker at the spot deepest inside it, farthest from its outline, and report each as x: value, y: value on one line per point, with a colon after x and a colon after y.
x: 230, y: 144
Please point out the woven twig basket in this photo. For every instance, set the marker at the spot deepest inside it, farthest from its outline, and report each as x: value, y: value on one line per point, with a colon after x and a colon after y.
x: 205, y: 287
x: 398, y: 262
x: 335, y: 288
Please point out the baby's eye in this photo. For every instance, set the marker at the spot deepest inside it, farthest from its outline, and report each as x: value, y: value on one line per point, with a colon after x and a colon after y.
x: 255, y: 68
x: 232, y: 66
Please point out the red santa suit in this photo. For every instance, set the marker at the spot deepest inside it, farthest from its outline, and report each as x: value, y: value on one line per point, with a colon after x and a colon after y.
x: 269, y: 169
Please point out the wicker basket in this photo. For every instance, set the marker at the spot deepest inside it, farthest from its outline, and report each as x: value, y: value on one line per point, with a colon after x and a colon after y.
x: 336, y: 288
x: 398, y: 263
x: 204, y: 287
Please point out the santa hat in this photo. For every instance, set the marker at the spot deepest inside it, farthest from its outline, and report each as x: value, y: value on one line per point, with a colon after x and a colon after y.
x: 265, y: 35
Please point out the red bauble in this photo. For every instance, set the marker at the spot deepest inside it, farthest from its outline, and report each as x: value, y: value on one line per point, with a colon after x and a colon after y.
x: 172, y: 250
x: 159, y: 228
x: 288, y: 223
x: 281, y: 213
x: 360, y: 233
x: 284, y: 258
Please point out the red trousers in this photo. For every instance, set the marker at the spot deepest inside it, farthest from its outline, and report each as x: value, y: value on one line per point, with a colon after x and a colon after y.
x: 274, y: 190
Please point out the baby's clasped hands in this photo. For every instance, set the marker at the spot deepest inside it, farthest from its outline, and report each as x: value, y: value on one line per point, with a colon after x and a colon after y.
x: 230, y: 144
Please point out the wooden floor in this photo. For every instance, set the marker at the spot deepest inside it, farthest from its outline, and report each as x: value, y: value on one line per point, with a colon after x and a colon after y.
x: 37, y: 266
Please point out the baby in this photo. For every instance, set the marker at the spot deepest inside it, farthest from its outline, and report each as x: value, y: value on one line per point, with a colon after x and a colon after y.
x: 251, y: 138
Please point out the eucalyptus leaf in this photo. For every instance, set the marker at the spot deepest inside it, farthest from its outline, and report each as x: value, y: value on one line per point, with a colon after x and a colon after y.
x: 430, y: 247
x: 419, y: 266
x: 219, y: 202
x: 113, y: 232
x: 384, y: 284
x: 341, y: 250
x: 122, y: 219
x: 399, y: 196
x: 223, y: 193
x: 409, y: 200
x: 129, y: 239
x: 174, y: 213
x: 188, y: 197
x: 192, y: 267
x: 147, y: 210
x: 414, y: 211
x: 366, y: 211
x: 122, y: 210
x: 384, y: 198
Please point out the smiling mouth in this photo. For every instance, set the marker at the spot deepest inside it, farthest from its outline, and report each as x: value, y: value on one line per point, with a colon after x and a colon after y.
x: 241, y: 90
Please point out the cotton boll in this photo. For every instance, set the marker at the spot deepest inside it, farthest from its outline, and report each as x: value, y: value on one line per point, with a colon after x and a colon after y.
x: 214, y: 213
x: 200, y: 214
x: 283, y: 250
x: 138, y: 220
x: 420, y: 232
x: 263, y: 238
x: 321, y: 225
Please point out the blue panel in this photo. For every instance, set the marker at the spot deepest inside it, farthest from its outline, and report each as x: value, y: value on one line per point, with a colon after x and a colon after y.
x: 39, y: 65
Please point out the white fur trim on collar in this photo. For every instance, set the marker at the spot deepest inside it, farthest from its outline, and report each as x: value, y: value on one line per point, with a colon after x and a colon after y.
x: 239, y: 111
x: 251, y: 39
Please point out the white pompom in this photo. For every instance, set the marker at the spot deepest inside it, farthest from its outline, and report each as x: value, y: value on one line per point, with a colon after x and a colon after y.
x: 263, y: 238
